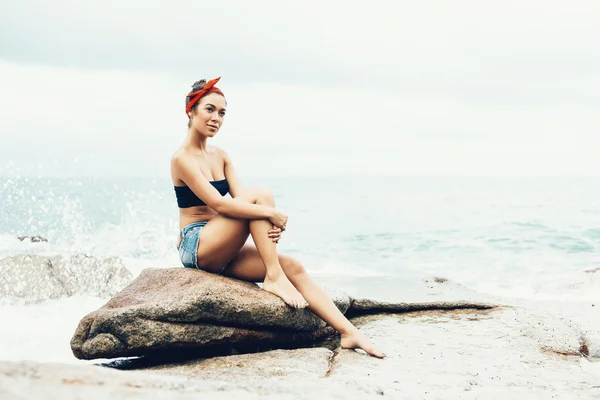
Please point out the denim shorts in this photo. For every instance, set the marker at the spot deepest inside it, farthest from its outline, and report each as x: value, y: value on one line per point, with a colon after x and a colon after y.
x: 188, y: 248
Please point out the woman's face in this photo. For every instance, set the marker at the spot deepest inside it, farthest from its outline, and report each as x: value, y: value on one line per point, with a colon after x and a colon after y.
x: 209, y: 114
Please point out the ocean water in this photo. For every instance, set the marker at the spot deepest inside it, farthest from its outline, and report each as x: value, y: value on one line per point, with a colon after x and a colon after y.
x: 520, y: 237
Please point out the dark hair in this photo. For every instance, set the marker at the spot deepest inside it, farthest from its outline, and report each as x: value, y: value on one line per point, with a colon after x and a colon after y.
x: 198, y: 85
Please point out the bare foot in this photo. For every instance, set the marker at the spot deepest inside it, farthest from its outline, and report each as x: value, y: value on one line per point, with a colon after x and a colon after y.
x: 282, y: 287
x: 356, y: 340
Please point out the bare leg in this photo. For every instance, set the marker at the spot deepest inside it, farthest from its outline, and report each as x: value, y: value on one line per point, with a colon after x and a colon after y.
x: 275, y: 280
x: 248, y: 266
x: 222, y: 237
x: 222, y: 242
x: 321, y: 304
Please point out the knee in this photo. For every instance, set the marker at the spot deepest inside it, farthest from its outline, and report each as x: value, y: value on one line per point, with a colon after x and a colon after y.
x: 263, y: 195
x: 292, y: 267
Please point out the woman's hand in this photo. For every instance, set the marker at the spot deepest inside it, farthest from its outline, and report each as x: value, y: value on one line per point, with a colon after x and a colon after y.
x: 279, y: 219
x: 275, y: 233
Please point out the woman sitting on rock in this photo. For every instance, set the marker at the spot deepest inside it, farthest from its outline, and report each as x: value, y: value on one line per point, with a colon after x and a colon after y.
x: 214, y: 228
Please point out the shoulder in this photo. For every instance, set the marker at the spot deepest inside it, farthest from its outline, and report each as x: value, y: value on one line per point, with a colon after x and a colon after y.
x: 222, y: 153
x: 177, y: 155
x: 180, y: 156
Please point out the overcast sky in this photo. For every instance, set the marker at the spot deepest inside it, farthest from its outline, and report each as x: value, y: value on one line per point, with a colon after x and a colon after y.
x: 313, y: 87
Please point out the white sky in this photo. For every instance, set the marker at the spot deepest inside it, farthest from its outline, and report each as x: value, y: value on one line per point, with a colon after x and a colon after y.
x: 313, y: 87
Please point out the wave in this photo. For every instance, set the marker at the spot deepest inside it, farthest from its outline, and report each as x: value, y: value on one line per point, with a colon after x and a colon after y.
x: 30, y: 278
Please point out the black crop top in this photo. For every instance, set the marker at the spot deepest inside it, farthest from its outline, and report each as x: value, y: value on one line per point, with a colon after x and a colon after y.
x: 187, y: 198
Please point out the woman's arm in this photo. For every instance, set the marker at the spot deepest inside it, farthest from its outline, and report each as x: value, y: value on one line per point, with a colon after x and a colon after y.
x: 235, y: 185
x: 187, y: 170
x: 236, y: 188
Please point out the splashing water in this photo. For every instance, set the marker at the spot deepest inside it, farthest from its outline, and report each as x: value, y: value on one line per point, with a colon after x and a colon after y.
x: 518, y: 237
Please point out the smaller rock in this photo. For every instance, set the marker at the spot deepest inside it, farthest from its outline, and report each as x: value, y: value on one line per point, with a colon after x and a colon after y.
x: 33, y: 239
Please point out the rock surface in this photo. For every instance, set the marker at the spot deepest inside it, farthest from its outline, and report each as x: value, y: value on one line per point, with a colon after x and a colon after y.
x: 28, y: 380
x: 509, y: 352
x: 439, y: 354
x: 469, y: 354
x: 177, y: 308
x: 34, y: 278
x: 305, y: 363
x: 443, y: 341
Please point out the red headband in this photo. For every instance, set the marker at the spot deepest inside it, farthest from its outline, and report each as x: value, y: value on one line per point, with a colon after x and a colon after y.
x: 197, y: 95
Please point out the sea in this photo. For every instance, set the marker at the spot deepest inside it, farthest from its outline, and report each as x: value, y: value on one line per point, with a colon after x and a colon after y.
x: 519, y: 237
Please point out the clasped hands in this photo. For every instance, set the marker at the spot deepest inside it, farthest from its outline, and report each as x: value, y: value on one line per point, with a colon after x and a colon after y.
x: 279, y: 221
x: 275, y: 233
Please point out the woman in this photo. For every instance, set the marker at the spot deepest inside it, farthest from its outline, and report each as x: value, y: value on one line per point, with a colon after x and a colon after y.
x: 214, y: 229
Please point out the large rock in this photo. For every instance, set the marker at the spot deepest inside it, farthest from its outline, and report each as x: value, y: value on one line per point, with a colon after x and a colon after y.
x: 31, y: 279
x: 181, y: 295
x: 178, y: 308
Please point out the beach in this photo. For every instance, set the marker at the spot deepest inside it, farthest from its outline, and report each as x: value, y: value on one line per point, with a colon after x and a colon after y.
x: 526, y: 245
